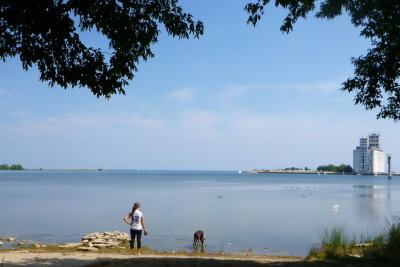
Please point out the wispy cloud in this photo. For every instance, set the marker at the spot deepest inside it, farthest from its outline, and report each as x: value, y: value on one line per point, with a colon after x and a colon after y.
x: 3, y: 91
x: 323, y: 86
x: 195, y: 123
x: 185, y: 94
x: 19, y: 114
x: 84, y: 124
x: 233, y: 91
x: 199, y: 137
x: 345, y: 99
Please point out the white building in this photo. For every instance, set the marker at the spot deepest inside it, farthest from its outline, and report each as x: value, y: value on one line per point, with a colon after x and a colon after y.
x: 368, y: 157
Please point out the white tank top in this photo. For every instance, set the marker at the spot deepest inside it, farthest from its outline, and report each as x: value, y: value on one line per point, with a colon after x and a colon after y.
x: 137, y: 220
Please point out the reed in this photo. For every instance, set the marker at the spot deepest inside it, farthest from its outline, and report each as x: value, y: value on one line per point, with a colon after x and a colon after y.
x: 337, y: 244
x: 387, y: 245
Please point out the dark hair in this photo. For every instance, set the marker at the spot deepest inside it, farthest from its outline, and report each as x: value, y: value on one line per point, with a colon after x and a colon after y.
x: 135, y: 206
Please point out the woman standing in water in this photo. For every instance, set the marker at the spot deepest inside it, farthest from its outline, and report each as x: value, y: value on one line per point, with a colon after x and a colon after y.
x: 137, y: 225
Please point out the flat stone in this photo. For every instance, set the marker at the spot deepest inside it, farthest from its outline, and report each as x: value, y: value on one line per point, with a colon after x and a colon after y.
x: 99, y: 245
x: 112, y: 244
x: 69, y: 245
x: 99, y: 241
x: 1, y: 243
x: 87, y: 249
x: 8, y: 239
x: 107, y: 238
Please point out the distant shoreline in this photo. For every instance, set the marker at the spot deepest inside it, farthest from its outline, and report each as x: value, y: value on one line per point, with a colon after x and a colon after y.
x: 311, y: 172
x: 65, y: 170
x: 293, y: 172
x: 253, y: 171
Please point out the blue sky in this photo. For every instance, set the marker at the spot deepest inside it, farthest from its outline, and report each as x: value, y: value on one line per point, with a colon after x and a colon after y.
x: 238, y: 98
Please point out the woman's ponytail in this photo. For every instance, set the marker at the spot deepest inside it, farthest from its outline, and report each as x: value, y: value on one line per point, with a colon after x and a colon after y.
x: 135, y: 206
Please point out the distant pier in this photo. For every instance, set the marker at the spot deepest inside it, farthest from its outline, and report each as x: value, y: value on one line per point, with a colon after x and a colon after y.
x: 314, y: 172
x: 292, y: 172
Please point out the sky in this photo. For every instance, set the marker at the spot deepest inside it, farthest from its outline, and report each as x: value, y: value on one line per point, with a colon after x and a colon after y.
x: 240, y: 97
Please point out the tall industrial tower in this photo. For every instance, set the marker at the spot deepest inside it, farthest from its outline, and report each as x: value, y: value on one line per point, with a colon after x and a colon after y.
x: 368, y: 157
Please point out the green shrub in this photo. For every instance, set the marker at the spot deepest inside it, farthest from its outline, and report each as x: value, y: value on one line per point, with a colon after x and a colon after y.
x: 16, y: 167
x: 387, y: 245
x: 335, y: 244
x: 4, y: 167
x: 12, y: 167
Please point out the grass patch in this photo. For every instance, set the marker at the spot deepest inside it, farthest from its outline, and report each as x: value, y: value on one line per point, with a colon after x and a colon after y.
x: 336, y: 244
x: 123, y: 249
x: 387, y: 245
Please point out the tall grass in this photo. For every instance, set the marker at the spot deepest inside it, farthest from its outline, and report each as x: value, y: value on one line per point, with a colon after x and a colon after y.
x: 387, y: 245
x: 336, y: 243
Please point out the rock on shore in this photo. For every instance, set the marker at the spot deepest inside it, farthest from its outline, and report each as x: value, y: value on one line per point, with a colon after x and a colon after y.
x: 94, y: 241
x: 8, y: 239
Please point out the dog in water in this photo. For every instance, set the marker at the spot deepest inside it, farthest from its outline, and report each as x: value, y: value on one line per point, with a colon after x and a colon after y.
x: 198, y: 239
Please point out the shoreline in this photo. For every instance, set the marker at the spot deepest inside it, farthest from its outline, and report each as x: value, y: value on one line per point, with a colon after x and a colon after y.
x: 292, y: 172
x: 65, y: 170
x: 252, y: 171
x: 35, y: 257
x: 255, y: 171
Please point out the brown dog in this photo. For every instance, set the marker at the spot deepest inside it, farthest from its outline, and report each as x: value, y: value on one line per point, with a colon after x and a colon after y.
x: 198, y: 239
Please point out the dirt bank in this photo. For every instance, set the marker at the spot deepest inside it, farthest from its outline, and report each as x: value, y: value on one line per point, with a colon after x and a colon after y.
x: 29, y: 258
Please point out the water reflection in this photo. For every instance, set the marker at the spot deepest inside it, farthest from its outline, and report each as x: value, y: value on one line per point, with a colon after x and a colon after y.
x: 374, y: 195
x: 369, y: 201
x: 369, y: 186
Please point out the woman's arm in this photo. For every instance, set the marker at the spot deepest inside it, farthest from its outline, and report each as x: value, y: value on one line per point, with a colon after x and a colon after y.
x: 126, y: 218
x: 143, y: 225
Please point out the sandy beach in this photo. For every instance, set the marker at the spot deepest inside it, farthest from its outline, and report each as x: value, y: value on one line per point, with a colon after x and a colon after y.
x: 29, y: 258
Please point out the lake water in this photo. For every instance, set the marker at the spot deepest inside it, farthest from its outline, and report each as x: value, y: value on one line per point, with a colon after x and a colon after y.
x: 267, y: 213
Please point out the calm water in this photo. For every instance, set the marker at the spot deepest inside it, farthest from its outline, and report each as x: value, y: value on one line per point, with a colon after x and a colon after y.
x: 269, y: 213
